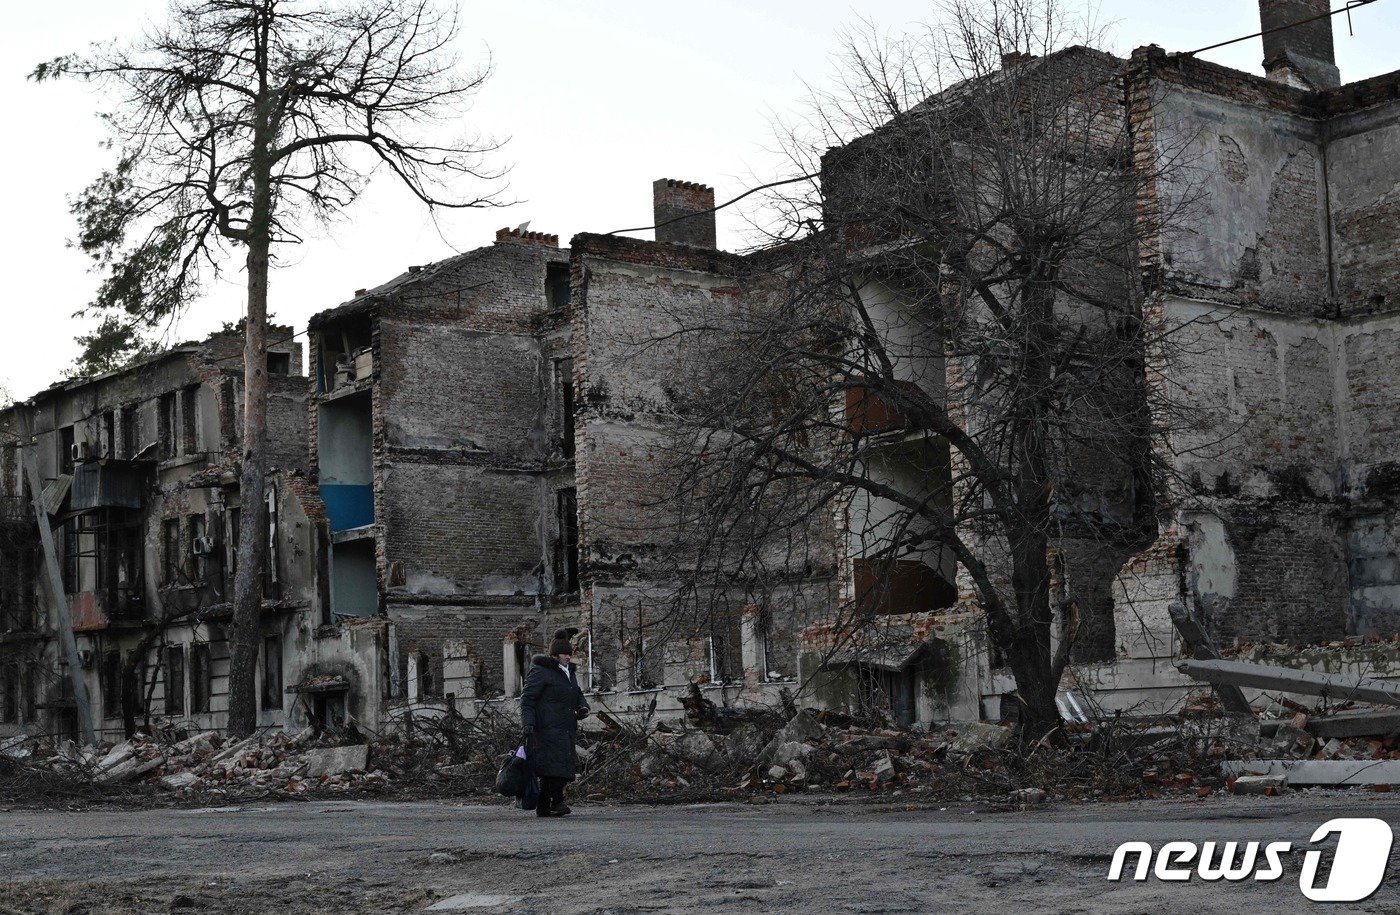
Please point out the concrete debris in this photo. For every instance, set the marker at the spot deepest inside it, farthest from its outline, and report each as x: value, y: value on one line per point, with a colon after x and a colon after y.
x: 129, y: 770
x: 790, y: 751
x: 1028, y: 796
x: 980, y: 736
x: 802, y: 728
x: 1332, y: 772
x: 1355, y: 724
x: 336, y: 761
x: 1290, y: 740
x: 1259, y: 784
x: 698, y: 749
x: 1339, y: 687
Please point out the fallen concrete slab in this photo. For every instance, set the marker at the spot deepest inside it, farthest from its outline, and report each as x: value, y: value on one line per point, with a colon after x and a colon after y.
x: 1285, y: 679
x: 336, y: 760
x: 1376, y: 723
x: 1320, y: 771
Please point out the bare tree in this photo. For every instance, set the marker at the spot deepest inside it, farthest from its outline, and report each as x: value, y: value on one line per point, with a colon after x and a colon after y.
x: 942, y: 365
x: 237, y: 123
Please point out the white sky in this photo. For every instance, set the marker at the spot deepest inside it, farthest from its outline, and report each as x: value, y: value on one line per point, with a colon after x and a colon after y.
x: 598, y: 99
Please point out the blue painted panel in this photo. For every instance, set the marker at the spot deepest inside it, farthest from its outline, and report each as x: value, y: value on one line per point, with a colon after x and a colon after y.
x: 348, y: 506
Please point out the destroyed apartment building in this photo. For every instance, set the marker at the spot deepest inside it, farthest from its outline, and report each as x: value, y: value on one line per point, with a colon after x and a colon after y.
x: 480, y: 452
x: 133, y: 470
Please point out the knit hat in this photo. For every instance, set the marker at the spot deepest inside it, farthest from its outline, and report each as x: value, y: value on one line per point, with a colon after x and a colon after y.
x: 563, y: 643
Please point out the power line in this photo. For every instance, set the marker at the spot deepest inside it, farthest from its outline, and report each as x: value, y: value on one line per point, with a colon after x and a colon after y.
x: 715, y: 209
x: 1351, y: 4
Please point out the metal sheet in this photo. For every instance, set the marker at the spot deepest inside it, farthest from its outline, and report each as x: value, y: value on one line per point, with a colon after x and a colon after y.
x: 106, y: 484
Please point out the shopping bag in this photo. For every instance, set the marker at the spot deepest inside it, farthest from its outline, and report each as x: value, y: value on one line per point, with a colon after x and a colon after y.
x: 514, y: 775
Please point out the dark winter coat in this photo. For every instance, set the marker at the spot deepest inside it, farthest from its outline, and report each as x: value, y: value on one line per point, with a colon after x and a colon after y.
x: 551, y: 705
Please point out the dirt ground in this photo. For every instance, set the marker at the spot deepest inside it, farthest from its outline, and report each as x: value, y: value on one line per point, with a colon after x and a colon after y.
x: 793, y: 856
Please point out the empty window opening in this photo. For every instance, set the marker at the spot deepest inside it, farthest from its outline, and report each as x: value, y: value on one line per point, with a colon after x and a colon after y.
x: 345, y: 354
x: 564, y: 385
x: 556, y: 285
x: 189, y: 420
x: 111, y: 685
x: 566, y: 558
x: 167, y: 424
x: 66, y: 457
x: 272, y: 673
x: 345, y: 457
x: 231, y: 544
x: 200, y: 547
x: 171, y: 551
x: 9, y: 701
x: 279, y: 363
x: 17, y: 568
x: 354, y: 580
x: 109, y: 434
x: 30, y: 683
x: 129, y: 443
x: 175, y: 680
x: 201, y: 677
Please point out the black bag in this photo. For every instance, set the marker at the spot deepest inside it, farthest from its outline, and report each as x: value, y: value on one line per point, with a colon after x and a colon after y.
x: 513, y: 778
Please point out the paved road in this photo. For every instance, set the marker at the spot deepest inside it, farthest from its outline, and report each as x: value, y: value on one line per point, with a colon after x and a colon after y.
x: 791, y: 857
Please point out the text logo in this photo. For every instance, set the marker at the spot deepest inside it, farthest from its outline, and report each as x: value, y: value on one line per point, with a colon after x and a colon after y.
x: 1358, y: 865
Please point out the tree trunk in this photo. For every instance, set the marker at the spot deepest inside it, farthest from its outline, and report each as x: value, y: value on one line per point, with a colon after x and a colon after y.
x: 1031, y: 652
x: 252, y: 539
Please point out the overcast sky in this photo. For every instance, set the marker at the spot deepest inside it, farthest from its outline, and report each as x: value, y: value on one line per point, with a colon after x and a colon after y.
x: 597, y: 98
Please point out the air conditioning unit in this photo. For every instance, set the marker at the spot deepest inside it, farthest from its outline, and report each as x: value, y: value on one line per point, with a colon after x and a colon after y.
x: 80, y: 451
x: 85, y: 658
x: 203, y: 546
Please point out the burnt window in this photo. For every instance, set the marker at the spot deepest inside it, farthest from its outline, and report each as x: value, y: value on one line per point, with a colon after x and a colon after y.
x: 199, y: 547
x: 272, y: 674
x: 564, y: 384
x: 70, y: 556
x: 170, y: 549
x: 130, y: 445
x: 111, y: 685
x: 17, y: 589
x: 167, y: 424
x: 175, y: 680
x: 109, y: 434
x: 231, y: 545
x: 566, y: 554
x: 201, y: 677
x: 9, y: 687
x: 279, y: 363
x: 9, y: 471
x: 556, y: 285
x: 189, y: 420
x: 30, y: 682
x: 65, y: 449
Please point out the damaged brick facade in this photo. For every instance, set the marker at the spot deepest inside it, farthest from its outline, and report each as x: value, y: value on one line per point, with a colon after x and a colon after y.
x: 484, y: 444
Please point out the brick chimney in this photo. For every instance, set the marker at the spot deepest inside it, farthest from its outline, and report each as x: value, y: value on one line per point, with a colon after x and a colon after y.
x: 1301, y: 55
x: 522, y: 237
x: 692, y: 207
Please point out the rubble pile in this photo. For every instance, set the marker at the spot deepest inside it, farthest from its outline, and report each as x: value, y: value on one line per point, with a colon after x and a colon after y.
x: 826, y: 752
x: 206, y: 763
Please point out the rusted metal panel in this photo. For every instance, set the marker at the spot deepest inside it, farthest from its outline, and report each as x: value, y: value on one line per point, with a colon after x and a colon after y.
x: 106, y: 484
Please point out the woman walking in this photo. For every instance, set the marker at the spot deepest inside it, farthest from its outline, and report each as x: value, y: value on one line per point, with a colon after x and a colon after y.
x: 551, y: 706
